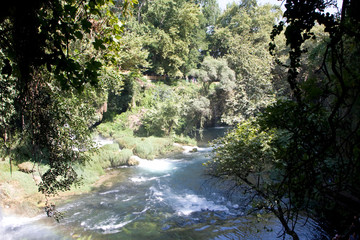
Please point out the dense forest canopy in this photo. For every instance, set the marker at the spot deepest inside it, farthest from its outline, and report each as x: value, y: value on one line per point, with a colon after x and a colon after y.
x: 288, y: 82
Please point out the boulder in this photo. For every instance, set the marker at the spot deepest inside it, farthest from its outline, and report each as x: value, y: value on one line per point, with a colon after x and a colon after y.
x: 37, y: 180
x: 133, y: 161
x: 26, y: 167
x: 194, y: 150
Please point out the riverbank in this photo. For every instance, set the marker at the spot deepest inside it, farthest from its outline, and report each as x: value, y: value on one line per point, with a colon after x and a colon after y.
x: 19, y: 192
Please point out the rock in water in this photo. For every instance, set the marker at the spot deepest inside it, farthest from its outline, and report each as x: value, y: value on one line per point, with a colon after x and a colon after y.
x: 194, y: 150
x: 133, y: 161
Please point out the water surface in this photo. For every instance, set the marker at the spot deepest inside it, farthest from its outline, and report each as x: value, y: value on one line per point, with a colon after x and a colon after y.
x: 169, y: 198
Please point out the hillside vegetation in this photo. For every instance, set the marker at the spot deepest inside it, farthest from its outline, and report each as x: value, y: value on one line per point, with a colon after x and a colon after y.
x: 148, y: 74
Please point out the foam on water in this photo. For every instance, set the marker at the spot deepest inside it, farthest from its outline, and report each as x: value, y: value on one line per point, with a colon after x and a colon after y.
x: 189, y: 203
x: 156, y: 165
x: 15, y: 227
x: 128, y: 199
x: 207, y: 149
x: 190, y: 149
x: 185, y: 203
x: 111, y: 228
x: 109, y: 192
x: 146, y: 179
x: 15, y: 221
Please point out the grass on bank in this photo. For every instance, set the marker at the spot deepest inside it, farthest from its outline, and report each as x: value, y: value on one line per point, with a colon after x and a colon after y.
x: 17, y: 187
x: 123, y: 130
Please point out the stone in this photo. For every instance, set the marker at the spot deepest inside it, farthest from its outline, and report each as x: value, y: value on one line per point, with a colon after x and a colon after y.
x: 194, y: 150
x: 133, y: 161
x: 26, y: 167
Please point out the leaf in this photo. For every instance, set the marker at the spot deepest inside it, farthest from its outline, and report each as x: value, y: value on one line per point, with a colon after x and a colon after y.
x: 86, y: 25
x: 79, y: 35
x: 98, y: 43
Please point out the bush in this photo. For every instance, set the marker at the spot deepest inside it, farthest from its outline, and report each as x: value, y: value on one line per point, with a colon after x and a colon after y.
x: 186, y: 140
x: 120, y: 158
x: 110, y: 147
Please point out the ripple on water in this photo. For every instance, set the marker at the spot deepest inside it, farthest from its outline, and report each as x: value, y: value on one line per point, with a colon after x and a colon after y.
x: 147, y: 179
x: 110, y: 228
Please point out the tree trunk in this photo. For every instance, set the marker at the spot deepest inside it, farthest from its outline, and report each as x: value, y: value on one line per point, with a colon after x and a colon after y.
x: 280, y: 215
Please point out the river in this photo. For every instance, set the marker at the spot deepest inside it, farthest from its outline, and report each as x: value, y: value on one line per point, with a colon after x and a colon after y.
x: 168, y: 198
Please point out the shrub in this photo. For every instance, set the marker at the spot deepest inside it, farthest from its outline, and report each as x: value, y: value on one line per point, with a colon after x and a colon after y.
x: 121, y: 158
x: 145, y: 150
x: 184, y: 140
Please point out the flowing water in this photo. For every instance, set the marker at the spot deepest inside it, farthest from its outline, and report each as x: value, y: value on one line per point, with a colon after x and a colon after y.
x: 168, y: 198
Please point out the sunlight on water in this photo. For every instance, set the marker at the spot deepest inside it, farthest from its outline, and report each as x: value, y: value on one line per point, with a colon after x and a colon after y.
x: 159, y: 199
x: 185, y: 203
x: 146, y: 179
x: 190, y: 203
x: 156, y: 165
x: 111, y: 227
x: 15, y: 227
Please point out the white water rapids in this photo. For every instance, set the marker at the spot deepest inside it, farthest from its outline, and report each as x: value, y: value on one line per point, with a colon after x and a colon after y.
x: 169, y: 198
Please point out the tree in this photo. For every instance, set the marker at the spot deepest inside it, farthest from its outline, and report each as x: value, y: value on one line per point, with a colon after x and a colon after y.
x: 212, y: 70
x: 211, y: 11
x: 53, y: 53
x: 163, y: 116
x: 312, y: 135
x: 321, y: 117
x: 173, y: 37
x: 241, y: 36
x: 247, y: 157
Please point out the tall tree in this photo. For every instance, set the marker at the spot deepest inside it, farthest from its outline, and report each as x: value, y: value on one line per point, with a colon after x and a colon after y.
x: 241, y: 36
x: 322, y: 117
x: 301, y: 156
x: 52, y: 53
x: 173, y: 43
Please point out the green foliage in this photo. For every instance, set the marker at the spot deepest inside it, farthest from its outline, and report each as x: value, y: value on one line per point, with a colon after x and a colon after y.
x: 164, y: 116
x: 315, y: 159
x: 7, y: 109
x: 186, y: 140
x: 244, y: 153
x: 323, y: 118
x: 248, y: 24
x: 25, y: 181
x: 213, y: 70
x: 133, y: 55
x: 164, y: 110
x: 312, y: 164
x: 173, y: 36
x: 52, y: 56
x: 147, y: 148
x: 121, y: 100
x: 122, y: 131
x: 249, y: 156
x: 197, y: 112
x: 211, y: 11
x: 110, y: 156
